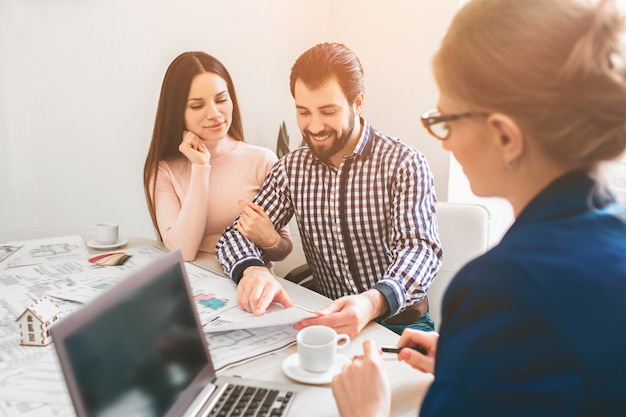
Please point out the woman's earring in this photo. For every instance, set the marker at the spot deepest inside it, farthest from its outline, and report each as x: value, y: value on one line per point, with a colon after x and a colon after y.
x: 510, y: 164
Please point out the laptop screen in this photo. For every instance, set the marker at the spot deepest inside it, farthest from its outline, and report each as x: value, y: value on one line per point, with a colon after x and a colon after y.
x: 137, y: 348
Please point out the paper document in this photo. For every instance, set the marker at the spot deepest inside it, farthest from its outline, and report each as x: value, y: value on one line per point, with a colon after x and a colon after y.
x: 236, y: 318
x: 31, y: 382
x: 216, y: 302
x: 34, y: 252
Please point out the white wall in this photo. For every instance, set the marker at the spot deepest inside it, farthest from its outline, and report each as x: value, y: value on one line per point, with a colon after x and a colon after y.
x: 79, y: 83
x: 395, y: 41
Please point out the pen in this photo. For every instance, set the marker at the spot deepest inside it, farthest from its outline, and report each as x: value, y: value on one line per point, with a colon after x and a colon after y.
x: 396, y: 349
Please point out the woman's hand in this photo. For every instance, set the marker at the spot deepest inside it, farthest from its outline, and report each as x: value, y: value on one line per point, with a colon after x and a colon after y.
x: 425, y: 340
x: 193, y: 149
x: 362, y: 389
x: 257, y: 226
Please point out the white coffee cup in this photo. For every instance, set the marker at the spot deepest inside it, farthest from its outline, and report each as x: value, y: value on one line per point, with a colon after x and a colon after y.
x: 317, y: 347
x: 105, y: 233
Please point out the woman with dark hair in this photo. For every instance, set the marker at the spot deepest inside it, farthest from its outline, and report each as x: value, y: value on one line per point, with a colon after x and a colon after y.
x: 532, y: 103
x: 199, y: 174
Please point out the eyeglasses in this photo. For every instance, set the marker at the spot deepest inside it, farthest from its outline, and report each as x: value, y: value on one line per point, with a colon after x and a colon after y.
x: 437, y: 123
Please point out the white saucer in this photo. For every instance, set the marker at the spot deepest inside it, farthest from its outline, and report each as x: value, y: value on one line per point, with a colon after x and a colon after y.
x: 95, y: 245
x: 291, y: 368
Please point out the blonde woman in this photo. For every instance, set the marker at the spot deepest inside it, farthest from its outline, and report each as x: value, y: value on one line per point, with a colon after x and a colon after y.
x: 532, y: 103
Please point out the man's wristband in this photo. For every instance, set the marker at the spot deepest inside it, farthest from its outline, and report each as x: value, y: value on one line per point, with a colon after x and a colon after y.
x: 237, y: 271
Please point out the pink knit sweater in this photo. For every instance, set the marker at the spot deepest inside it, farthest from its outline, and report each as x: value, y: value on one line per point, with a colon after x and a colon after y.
x: 195, y: 203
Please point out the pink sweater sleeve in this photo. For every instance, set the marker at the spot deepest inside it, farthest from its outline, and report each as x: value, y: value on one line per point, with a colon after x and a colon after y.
x: 281, y: 248
x: 182, y: 223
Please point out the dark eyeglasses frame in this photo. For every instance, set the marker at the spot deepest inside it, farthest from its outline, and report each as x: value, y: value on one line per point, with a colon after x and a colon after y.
x: 433, y: 117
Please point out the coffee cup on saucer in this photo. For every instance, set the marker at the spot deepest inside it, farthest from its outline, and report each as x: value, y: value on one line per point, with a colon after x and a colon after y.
x: 318, y: 346
x: 106, y: 233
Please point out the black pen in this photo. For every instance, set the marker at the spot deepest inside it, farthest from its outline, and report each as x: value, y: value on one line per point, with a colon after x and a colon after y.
x: 395, y: 349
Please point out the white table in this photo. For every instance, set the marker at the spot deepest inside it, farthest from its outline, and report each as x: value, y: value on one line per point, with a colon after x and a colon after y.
x: 408, y: 386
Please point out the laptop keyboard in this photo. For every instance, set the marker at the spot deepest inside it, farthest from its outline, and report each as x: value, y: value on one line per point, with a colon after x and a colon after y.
x: 244, y: 401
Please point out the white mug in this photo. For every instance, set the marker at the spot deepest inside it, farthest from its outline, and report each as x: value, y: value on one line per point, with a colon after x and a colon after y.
x: 317, y: 347
x: 105, y: 233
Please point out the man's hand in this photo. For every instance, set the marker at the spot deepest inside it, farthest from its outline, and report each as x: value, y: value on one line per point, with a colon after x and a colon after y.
x: 349, y: 314
x: 258, y: 288
x: 362, y: 389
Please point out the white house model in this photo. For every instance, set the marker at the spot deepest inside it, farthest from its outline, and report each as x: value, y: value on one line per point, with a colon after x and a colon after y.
x: 36, y: 320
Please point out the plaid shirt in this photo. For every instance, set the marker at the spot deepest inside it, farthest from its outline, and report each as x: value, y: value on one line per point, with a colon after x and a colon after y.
x: 368, y: 224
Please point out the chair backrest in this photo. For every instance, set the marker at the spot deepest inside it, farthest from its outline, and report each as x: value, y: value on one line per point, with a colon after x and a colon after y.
x: 464, y: 234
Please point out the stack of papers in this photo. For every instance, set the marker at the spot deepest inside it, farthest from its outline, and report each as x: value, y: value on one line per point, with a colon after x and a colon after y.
x: 61, y: 268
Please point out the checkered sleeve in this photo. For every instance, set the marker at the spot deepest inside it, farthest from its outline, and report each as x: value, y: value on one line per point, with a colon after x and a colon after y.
x: 415, y: 248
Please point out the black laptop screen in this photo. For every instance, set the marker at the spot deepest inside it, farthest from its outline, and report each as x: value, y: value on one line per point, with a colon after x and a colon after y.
x: 136, y: 356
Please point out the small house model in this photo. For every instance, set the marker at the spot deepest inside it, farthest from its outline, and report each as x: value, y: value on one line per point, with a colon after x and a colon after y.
x: 36, y: 320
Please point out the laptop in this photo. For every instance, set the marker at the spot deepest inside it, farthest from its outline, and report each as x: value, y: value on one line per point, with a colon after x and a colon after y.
x: 139, y: 350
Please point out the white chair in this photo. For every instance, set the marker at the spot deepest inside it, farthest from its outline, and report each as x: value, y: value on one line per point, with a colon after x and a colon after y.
x: 464, y: 234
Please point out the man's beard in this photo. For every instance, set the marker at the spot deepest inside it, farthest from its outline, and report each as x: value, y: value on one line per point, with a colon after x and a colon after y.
x: 338, y: 143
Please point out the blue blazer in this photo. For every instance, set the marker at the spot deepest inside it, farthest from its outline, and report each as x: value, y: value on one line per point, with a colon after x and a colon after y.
x: 537, y: 325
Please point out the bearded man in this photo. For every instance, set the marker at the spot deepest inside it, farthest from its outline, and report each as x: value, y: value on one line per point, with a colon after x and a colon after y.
x: 364, y: 203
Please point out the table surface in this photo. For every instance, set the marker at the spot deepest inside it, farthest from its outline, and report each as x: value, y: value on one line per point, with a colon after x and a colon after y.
x: 408, y: 386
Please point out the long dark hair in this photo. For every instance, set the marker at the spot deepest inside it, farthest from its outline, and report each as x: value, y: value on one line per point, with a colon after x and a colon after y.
x: 169, y: 124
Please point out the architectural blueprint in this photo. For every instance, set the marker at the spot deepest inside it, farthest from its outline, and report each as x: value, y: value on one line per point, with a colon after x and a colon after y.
x: 31, y: 382
x: 217, y: 307
x: 30, y: 252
